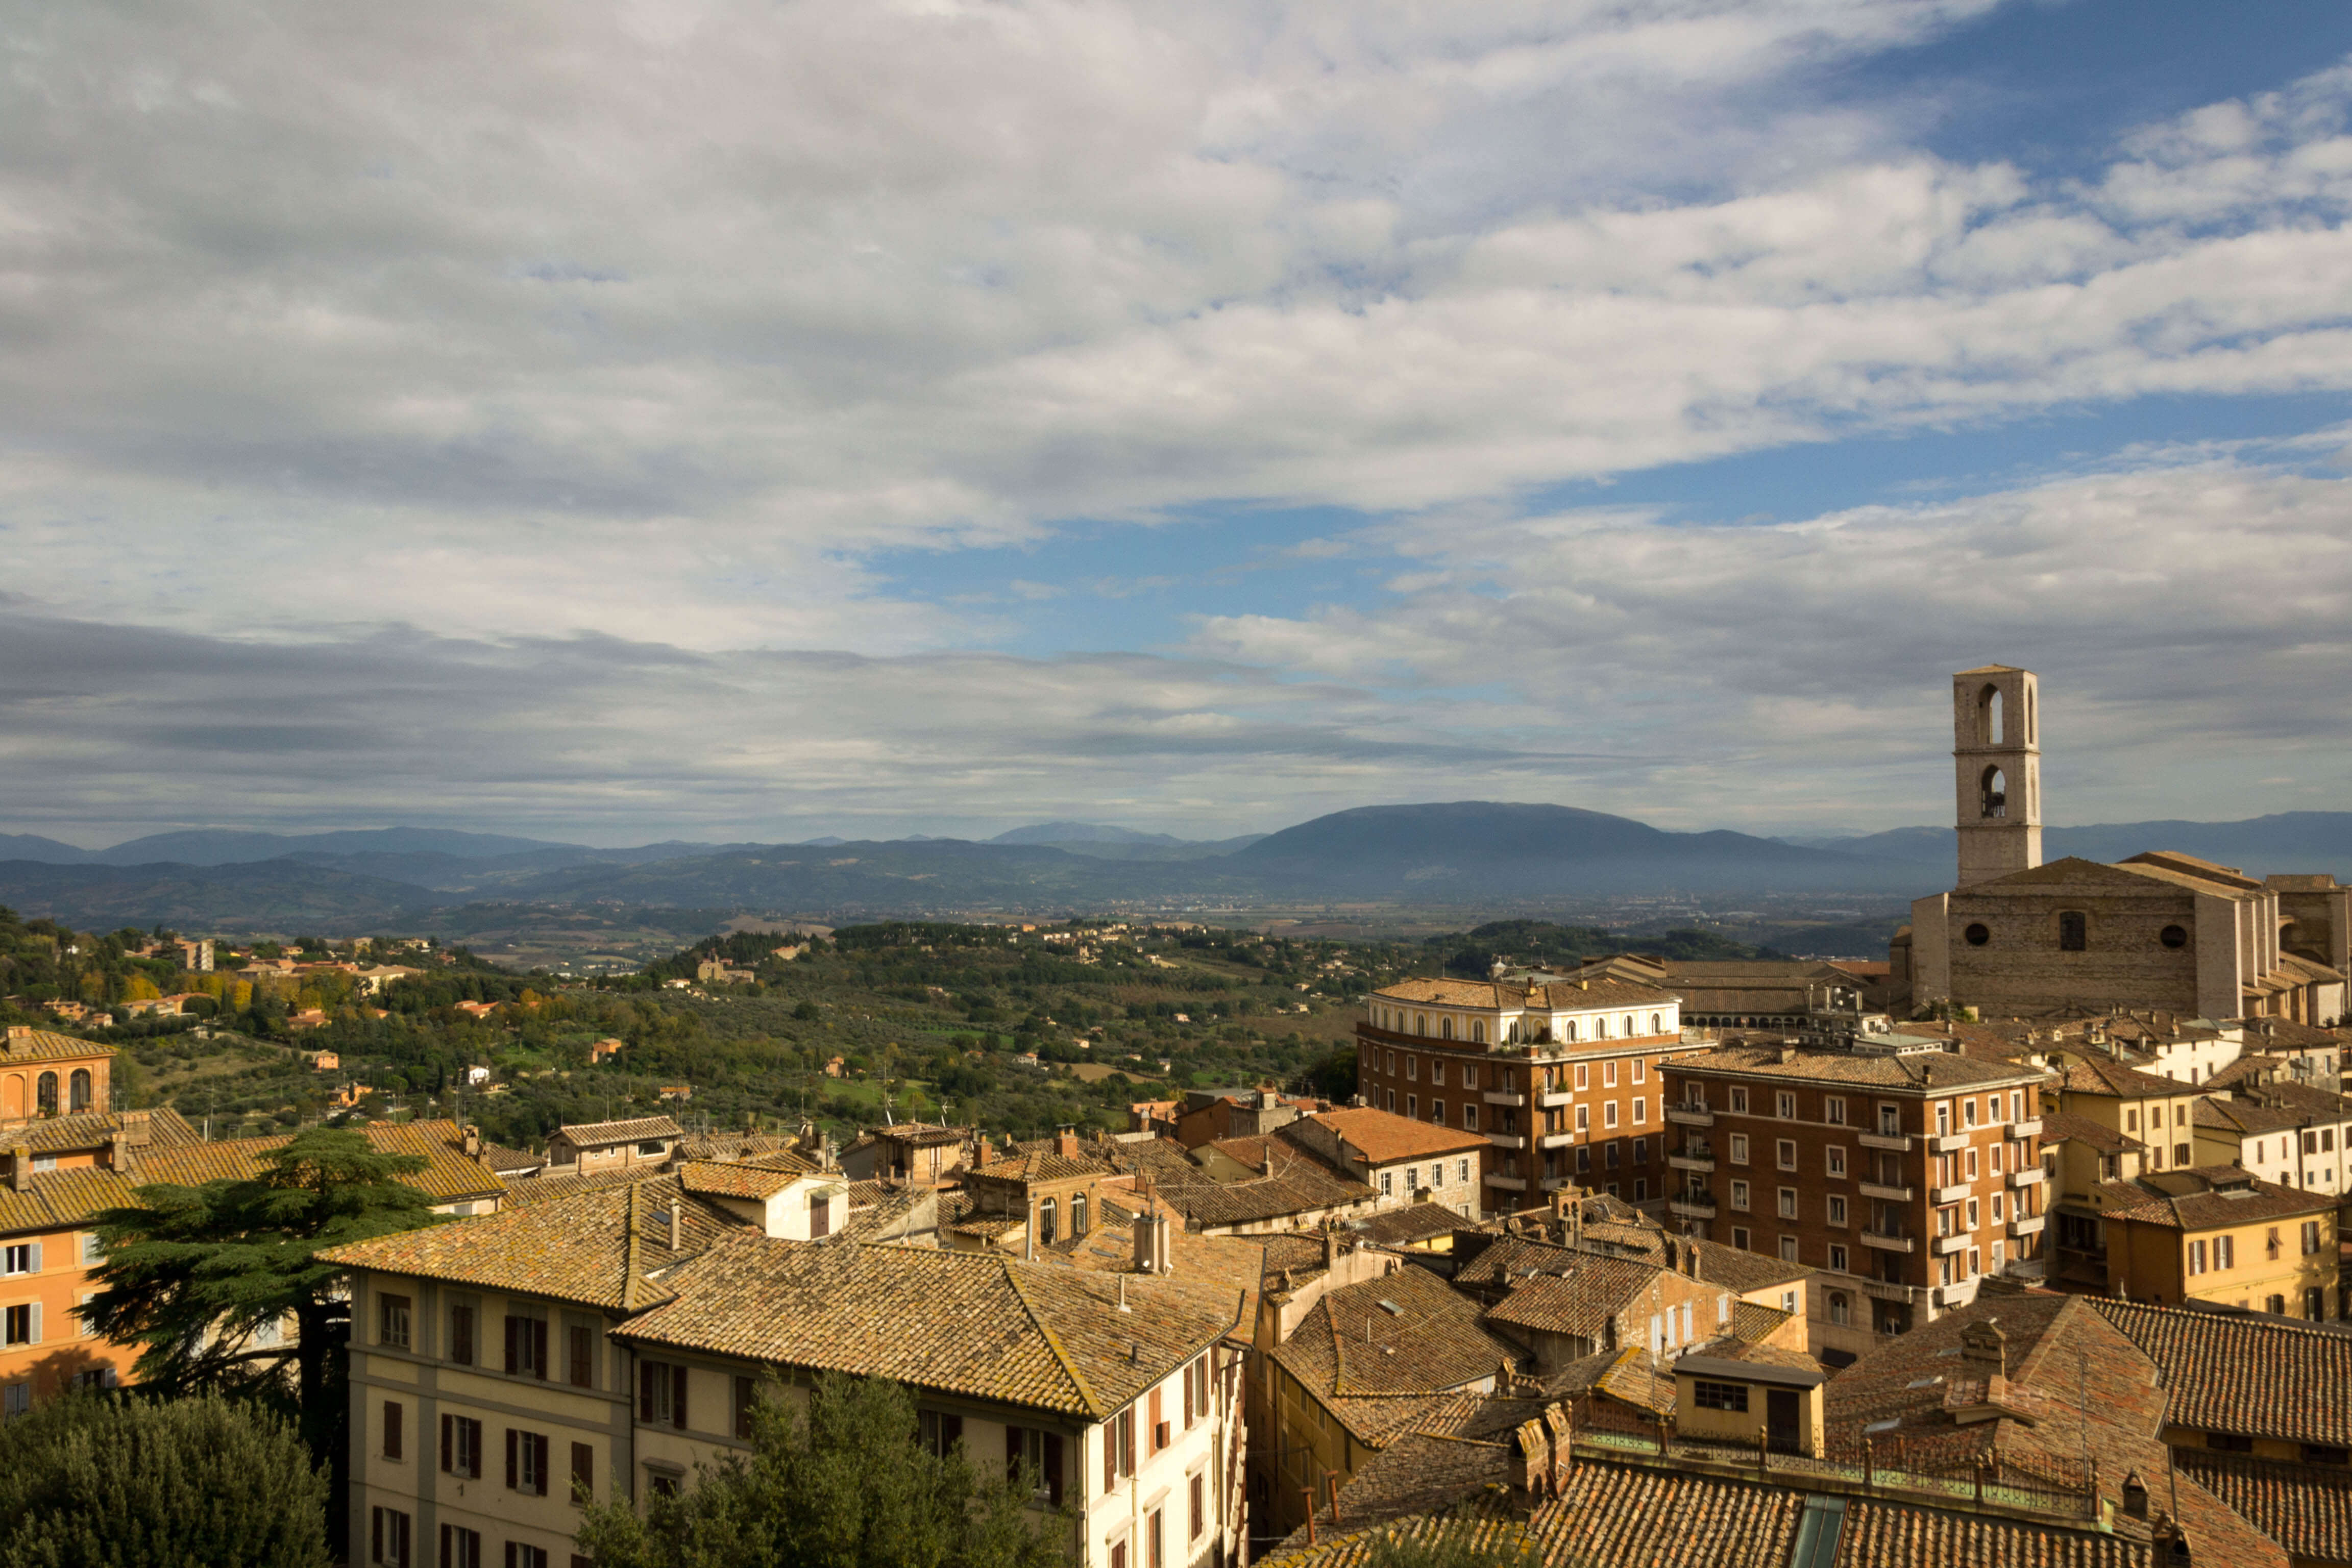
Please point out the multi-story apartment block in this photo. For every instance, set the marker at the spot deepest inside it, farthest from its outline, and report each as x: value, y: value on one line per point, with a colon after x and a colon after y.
x: 1561, y: 1078
x: 2223, y: 1236
x: 613, y: 1340
x: 1905, y: 1174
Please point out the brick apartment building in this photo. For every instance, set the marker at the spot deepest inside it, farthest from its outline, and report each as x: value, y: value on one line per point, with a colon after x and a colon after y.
x: 1907, y: 1173
x: 1561, y: 1078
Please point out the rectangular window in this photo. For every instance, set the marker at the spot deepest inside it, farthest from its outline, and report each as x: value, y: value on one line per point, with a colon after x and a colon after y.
x: 527, y: 1346
x: 1967, y: 1113
x: 1196, y: 1504
x: 1437, y: 1074
x: 461, y: 1446
x: 1641, y: 1109
x: 583, y: 1472
x: 661, y: 1395
x: 1738, y: 1100
x: 1739, y: 1236
x: 388, y: 1538
x: 746, y: 1391
x: 1387, y: 1187
x: 580, y: 1355
x: 520, y: 1554
x: 2310, y: 1236
x: 1788, y: 1251
x: 392, y: 1320
x: 1641, y: 1147
x: 1788, y: 1202
x: 1739, y: 1195
x: 1739, y: 1148
x: 1609, y: 1075
x: 1833, y: 1159
x: 1972, y: 1164
x: 2225, y: 1252
x: 1582, y: 1082
x: 1833, y: 1109
x: 1469, y: 1116
x: 1784, y: 1106
x: 460, y: 1547
x: 18, y: 1259
x: 1463, y: 1169
x: 527, y: 1462
x: 1837, y: 1208
x: 1609, y: 1113
x: 1583, y: 1158
x: 1785, y: 1151
x: 1584, y: 1119
x: 1609, y: 1156
x: 461, y: 1334
x: 1838, y: 1257
x: 1469, y: 1074
x: 1412, y: 1107
x: 394, y: 1414
x: 939, y: 1432
x: 1436, y: 1116
x: 1973, y: 1215
x: 92, y: 1250
x: 1641, y: 1069
x: 1709, y: 1395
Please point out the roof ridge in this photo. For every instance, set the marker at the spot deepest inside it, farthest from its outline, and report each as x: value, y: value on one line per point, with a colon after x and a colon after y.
x: 1053, y: 1341
x: 629, y: 1243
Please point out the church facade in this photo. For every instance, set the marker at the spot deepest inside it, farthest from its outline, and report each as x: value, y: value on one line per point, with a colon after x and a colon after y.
x: 2017, y: 938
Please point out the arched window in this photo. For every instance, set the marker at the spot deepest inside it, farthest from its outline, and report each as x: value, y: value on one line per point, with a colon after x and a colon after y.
x: 1077, y: 1217
x: 78, y: 1087
x: 1421, y: 1023
x: 1046, y: 1222
x: 1477, y: 1031
x: 1445, y: 1026
x: 1657, y: 1023
x: 1570, y: 1028
x: 1629, y: 1025
x: 1996, y: 794
x: 1989, y: 718
x: 45, y: 1094
x: 1599, y: 1028
x: 2073, y: 930
x: 1838, y: 1309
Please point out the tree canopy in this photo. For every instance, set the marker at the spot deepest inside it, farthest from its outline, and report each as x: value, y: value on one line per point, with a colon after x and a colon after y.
x: 843, y: 1484
x: 130, y: 1483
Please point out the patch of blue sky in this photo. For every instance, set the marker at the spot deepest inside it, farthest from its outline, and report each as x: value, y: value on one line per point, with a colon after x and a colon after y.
x: 2052, y: 84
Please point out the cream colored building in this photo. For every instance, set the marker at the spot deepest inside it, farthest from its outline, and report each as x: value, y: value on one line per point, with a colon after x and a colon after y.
x: 614, y: 1340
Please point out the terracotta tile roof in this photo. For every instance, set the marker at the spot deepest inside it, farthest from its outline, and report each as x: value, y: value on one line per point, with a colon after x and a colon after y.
x: 2307, y: 1102
x: 1579, y: 1296
x: 1876, y: 1533
x: 1563, y: 996
x: 1291, y: 1182
x: 542, y: 1189
x: 1044, y: 1166
x: 598, y: 1248
x: 92, y: 1129
x: 976, y: 1324
x: 2067, y: 1126
x: 53, y: 1200
x: 1237, y: 1262
x: 510, y: 1162
x: 2239, y: 1116
x: 1925, y: 1071
x: 714, y: 1178
x: 1379, y: 1370
x: 602, y: 1134
x: 2307, y: 1508
x: 743, y: 1146
x: 1403, y: 1227
x: 2181, y: 1199
x: 1632, y: 1376
x: 449, y: 1174
x: 920, y: 1134
x: 1753, y: 1323
x: 2251, y: 1376
x: 2098, y: 1076
x: 1382, y: 1136
x: 48, y: 1046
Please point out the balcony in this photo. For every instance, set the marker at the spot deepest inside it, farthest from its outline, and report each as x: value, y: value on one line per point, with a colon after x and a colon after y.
x: 1887, y: 1240
x: 1506, y: 1141
x: 1508, y: 1183
x: 1557, y: 1184
x: 1960, y: 1293
x: 1948, y: 1143
x: 1899, y: 1143
x: 1956, y: 1193
x: 1553, y: 1098
x: 1690, y: 1115
x: 1691, y: 1161
x: 2032, y: 1176
x: 1956, y: 1242
x: 1691, y: 1205
x: 1891, y: 1291
x: 2025, y: 1225
x: 1881, y: 1190
x: 1555, y: 1141
x: 1504, y: 1096
x: 2023, y: 1128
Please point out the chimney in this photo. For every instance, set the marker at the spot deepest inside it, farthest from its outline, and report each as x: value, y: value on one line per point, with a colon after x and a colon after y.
x: 1065, y: 1142
x: 1331, y: 1247
x: 20, y: 1168
x: 1986, y: 1345
x: 676, y: 1214
x: 1165, y: 1254
x: 18, y: 1032
x: 473, y: 1143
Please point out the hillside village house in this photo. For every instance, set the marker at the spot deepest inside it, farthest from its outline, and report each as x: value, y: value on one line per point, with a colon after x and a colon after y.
x: 616, y: 1339
x: 1558, y: 1078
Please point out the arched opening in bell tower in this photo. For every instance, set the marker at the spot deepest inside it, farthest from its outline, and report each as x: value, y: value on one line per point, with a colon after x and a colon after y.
x: 1990, y: 724
x: 1995, y: 788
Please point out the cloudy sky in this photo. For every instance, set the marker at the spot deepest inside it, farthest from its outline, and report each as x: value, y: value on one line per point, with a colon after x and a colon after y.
x: 665, y: 418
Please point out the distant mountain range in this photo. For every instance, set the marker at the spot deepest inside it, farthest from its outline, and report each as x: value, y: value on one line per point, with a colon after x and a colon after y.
x: 1458, y: 854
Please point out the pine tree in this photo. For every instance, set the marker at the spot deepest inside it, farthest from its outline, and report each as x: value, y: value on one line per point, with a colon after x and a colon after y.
x: 847, y: 1485
x: 130, y: 1483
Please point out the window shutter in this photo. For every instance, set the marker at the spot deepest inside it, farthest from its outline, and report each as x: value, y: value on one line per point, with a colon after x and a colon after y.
x: 1011, y: 1453
x: 35, y: 1337
x: 539, y: 1347
x: 376, y: 1535
x: 539, y: 1462
x: 448, y: 1457
x: 1053, y: 1468
x: 1110, y: 1453
x: 511, y: 1477
x: 677, y: 1397
x: 510, y: 1555
x: 447, y: 1560
x: 584, y: 1469
x: 36, y: 1257
x: 392, y: 1432
x: 514, y: 1344
x: 646, y: 1391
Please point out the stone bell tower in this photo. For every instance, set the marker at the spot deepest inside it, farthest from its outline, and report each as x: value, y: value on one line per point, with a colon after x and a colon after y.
x: 1996, y: 769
